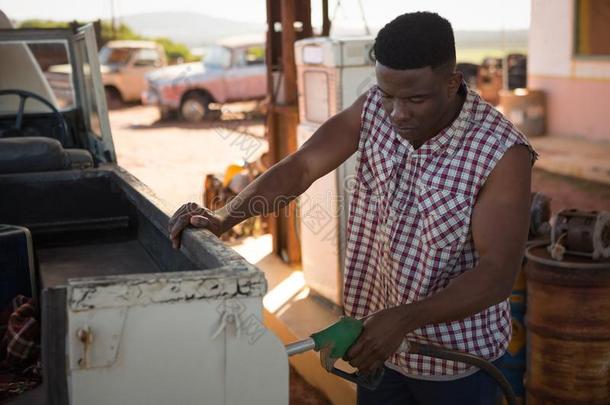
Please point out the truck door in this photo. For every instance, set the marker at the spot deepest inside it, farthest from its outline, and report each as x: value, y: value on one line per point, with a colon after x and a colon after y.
x: 246, y: 79
x: 142, y: 61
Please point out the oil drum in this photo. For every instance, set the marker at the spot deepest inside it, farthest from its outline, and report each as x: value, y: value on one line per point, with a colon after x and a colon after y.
x: 568, y: 329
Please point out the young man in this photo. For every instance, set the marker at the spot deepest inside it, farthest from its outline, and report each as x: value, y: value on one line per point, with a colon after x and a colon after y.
x: 438, y: 219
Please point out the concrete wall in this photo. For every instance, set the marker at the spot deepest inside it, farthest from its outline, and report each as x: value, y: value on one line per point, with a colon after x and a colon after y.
x: 578, y: 89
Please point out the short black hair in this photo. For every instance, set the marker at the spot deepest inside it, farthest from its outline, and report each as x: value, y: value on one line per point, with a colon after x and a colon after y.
x: 416, y: 40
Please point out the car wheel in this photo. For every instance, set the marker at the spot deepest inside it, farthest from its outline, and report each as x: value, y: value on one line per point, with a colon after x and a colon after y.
x: 195, y: 107
x: 113, y: 98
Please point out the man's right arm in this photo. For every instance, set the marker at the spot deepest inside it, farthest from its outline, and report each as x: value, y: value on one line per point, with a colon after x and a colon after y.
x: 334, y: 142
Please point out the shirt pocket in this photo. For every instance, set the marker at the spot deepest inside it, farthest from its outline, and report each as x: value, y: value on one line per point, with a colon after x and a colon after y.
x: 374, y: 170
x: 444, y: 217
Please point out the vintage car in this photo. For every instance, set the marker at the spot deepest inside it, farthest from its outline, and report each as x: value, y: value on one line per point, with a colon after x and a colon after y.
x: 124, y: 65
x: 125, y: 319
x: 231, y: 71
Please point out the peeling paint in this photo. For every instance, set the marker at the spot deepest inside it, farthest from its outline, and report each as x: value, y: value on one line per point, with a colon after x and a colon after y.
x: 145, y: 289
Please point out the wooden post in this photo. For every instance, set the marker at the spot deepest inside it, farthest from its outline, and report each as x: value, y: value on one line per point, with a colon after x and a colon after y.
x: 288, y: 64
x: 283, y: 115
x: 272, y: 52
x: 325, y: 19
x: 303, y: 14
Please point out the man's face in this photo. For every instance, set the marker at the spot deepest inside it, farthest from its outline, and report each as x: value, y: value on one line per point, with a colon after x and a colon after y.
x: 418, y: 101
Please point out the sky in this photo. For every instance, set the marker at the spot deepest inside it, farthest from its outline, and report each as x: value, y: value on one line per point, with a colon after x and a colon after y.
x: 463, y: 14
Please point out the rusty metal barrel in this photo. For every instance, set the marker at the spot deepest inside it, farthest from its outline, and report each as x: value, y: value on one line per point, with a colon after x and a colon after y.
x: 568, y: 329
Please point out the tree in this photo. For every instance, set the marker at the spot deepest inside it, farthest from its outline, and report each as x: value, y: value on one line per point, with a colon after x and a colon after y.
x: 175, y: 52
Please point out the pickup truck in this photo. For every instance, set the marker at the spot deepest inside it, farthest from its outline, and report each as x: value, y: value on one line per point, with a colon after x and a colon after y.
x: 124, y: 65
x: 125, y: 318
x: 231, y: 71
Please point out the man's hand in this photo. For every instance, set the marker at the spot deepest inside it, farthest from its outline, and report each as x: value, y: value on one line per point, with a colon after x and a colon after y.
x: 191, y: 214
x: 381, y: 337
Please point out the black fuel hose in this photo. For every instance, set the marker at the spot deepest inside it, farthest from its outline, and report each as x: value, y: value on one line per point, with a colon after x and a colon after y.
x: 446, y: 354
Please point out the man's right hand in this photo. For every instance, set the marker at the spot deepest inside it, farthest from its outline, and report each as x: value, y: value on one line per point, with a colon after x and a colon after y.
x: 191, y: 214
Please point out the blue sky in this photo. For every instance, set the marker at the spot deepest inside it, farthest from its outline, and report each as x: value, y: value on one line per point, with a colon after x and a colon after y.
x: 463, y: 14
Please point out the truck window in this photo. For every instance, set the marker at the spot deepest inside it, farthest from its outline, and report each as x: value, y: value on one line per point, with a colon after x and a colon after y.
x: 251, y: 55
x: 255, y: 55
x: 115, y: 56
x: 217, y: 57
x: 147, y: 57
x: 39, y: 67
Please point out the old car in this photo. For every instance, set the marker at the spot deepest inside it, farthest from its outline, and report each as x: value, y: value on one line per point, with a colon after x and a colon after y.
x: 124, y: 65
x: 125, y: 319
x: 231, y: 71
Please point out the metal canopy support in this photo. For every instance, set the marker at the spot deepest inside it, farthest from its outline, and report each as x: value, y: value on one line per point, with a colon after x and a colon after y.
x: 287, y: 21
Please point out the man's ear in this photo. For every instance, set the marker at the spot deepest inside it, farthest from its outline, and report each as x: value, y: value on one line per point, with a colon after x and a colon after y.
x: 455, y: 80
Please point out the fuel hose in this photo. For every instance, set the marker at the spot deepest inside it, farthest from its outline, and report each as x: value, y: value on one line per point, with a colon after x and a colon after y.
x: 482, y: 364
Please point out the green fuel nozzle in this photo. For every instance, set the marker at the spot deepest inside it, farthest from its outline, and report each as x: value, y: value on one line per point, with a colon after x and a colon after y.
x: 333, y: 343
x: 335, y: 339
x: 338, y: 337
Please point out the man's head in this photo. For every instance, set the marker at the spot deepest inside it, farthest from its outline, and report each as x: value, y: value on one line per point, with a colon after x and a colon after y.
x: 416, y: 73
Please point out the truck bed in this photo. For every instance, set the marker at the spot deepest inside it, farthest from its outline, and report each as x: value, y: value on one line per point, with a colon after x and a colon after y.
x: 97, y: 232
x: 58, y: 264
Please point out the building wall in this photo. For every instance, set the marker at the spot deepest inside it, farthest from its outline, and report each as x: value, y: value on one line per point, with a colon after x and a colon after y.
x: 577, y: 88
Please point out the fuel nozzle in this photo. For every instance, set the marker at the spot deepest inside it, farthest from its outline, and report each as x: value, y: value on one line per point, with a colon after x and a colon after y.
x: 333, y: 343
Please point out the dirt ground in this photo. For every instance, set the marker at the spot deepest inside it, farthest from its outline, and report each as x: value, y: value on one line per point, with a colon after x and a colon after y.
x: 302, y: 393
x: 173, y: 157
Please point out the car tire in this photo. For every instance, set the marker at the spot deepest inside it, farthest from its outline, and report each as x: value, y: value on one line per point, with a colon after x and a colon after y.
x: 113, y: 98
x: 195, y: 107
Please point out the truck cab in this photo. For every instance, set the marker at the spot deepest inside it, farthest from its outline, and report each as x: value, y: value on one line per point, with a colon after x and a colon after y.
x: 125, y: 319
x: 124, y: 66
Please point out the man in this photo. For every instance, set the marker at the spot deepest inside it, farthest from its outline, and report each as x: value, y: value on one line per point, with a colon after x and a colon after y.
x: 438, y: 219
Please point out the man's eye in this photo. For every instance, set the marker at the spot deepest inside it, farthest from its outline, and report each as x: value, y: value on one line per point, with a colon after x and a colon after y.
x: 417, y: 100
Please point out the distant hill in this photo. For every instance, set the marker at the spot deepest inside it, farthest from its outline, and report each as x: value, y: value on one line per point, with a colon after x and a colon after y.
x: 191, y: 29
x: 491, y: 39
x: 196, y: 30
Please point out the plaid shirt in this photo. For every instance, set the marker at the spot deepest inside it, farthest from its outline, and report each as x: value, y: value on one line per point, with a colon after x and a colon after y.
x: 409, y: 230
x: 20, y: 332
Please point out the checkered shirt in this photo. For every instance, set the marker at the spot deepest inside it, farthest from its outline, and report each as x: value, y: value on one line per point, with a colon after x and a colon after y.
x: 409, y: 229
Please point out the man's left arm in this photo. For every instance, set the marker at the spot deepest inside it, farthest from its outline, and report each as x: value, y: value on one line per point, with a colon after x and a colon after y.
x: 500, y: 221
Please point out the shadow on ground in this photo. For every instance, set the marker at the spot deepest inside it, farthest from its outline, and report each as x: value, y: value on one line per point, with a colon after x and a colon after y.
x: 301, y: 393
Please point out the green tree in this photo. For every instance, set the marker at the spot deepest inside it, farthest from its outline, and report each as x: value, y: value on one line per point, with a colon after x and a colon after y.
x: 43, y: 24
x: 173, y: 50
x: 176, y: 51
x: 123, y: 31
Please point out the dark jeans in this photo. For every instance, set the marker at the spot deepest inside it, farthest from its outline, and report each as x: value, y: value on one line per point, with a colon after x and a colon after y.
x: 395, y: 388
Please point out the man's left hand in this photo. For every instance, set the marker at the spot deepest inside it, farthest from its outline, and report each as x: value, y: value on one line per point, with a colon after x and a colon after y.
x: 381, y: 337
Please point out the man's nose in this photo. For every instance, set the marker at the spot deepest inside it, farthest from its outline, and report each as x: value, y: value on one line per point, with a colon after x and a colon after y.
x: 400, y: 113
